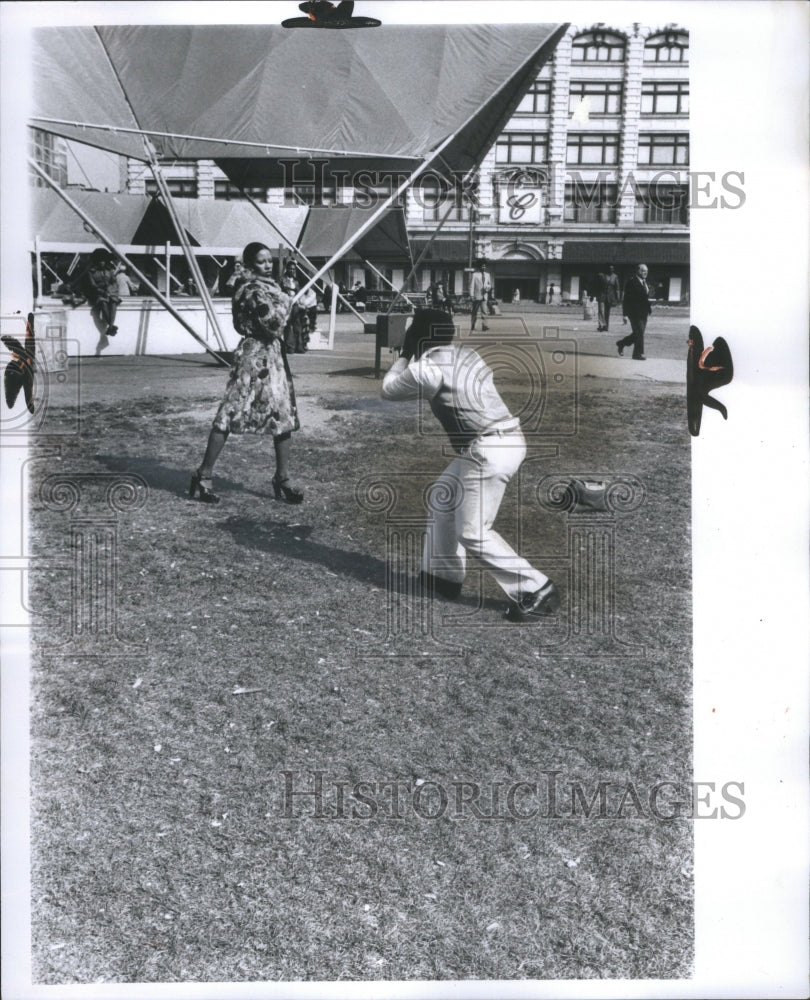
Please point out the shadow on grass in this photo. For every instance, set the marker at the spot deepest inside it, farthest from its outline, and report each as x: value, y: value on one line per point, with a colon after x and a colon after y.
x: 176, y: 479
x: 294, y: 540
x: 366, y: 371
x: 282, y: 538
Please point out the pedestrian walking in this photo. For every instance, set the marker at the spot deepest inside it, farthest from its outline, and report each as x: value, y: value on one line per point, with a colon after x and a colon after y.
x: 635, y: 307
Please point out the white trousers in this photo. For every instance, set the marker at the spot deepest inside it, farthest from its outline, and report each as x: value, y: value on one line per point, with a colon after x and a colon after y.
x: 463, y: 504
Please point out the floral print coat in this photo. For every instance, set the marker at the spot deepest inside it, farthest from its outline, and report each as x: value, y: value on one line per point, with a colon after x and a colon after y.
x: 259, y: 397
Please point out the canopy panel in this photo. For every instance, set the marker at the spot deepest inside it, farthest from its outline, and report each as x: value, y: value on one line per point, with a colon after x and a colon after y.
x: 138, y: 220
x: 384, y: 98
x: 118, y: 216
x: 328, y: 229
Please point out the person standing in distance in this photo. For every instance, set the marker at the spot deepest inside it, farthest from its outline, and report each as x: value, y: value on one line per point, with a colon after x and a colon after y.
x: 490, y: 449
x: 478, y: 292
x: 635, y: 307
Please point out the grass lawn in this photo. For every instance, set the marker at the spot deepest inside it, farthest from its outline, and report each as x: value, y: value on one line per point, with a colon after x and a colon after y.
x: 166, y: 845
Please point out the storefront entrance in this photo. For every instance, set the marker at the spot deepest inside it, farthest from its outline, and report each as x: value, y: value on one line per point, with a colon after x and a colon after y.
x: 523, y: 275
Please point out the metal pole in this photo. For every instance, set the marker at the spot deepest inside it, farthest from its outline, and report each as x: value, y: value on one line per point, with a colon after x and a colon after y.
x: 114, y: 250
x: 292, y: 246
x: 168, y: 201
x: 38, y: 260
x: 427, y: 247
x: 400, y: 294
x: 372, y: 221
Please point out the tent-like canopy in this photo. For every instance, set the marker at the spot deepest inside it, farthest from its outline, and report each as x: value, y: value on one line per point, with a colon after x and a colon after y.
x: 252, y: 96
x: 230, y: 225
x: 327, y: 229
x: 224, y: 227
x: 119, y: 215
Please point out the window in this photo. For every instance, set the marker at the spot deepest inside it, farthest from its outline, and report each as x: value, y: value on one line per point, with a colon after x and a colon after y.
x: 663, y: 150
x: 594, y: 203
x: 521, y: 147
x: 179, y: 187
x: 49, y: 153
x: 371, y: 190
x: 603, y: 98
x: 667, y: 47
x: 225, y: 191
x: 664, y: 98
x: 437, y: 204
x: 598, y: 46
x: 537, y: 100
x: 308, y: 194
x: 592, y: 149
x: 663, y: 204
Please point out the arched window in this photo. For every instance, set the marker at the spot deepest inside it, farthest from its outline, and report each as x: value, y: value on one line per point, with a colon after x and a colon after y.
x: 669, y: 46
x: 598, y: 46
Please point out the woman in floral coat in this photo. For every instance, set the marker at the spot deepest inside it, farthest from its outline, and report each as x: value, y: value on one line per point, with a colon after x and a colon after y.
x: 259, y: 397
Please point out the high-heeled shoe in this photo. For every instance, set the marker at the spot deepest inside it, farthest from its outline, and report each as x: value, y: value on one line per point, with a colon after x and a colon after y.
x: 289, y: 493
x: 198, y: 485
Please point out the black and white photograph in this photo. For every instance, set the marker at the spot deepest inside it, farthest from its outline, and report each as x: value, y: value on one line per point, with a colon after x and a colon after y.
x: 404, y: 446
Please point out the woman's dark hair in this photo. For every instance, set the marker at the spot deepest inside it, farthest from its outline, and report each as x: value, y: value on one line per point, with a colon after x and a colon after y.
x: 251, y: 252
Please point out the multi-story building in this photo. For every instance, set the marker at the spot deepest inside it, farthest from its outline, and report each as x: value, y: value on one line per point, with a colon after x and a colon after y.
x: 591, y: 170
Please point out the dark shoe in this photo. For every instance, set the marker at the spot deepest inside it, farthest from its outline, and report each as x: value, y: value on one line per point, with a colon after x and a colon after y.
x: 484, y: 327
x: 542, y: 602
x: 203, y: 488
x: 639, y: 357
x: 620, y: 345
x: 111, y: 331
x: 286, y: 493
x: 431, y: 586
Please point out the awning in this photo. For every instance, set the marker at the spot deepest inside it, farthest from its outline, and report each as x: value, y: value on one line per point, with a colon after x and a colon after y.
x: 443, y: 251
x: 250, y: 96
x: 234, y: 224
x: 626, y: 252
x: 137, y: 220
x: 327, y: 229
x: 119, y: 215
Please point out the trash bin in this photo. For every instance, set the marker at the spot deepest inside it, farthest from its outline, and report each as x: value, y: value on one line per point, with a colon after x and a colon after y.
x: 390, y: 333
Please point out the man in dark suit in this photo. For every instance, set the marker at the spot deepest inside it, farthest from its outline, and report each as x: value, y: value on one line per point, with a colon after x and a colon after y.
x: 636, y: 307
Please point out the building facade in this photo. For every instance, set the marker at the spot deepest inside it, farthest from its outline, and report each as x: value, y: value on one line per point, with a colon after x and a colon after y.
x: 591, y: 170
